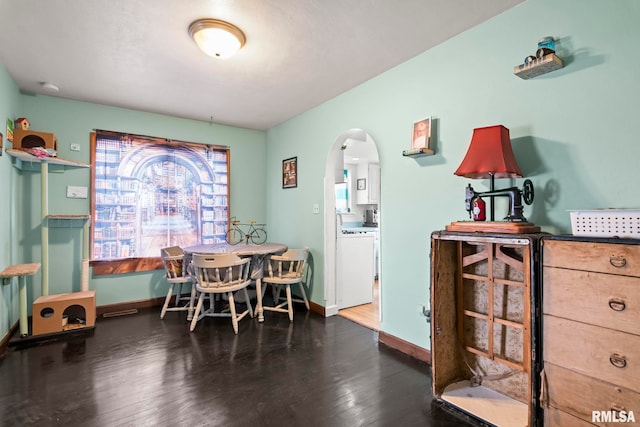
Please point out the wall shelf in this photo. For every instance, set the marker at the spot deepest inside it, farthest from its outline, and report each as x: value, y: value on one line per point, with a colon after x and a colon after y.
x: 24, y: 160
x: 418, y: 152
x: 538, y: 67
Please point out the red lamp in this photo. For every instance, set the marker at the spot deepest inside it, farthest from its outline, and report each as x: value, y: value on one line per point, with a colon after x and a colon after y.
x: 490, y: 156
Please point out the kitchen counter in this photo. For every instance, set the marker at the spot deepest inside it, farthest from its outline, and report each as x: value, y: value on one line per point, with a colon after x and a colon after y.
x: 359, y: 229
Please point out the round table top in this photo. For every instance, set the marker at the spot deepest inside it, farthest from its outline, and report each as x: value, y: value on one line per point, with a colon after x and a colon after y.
x: 239, y: 249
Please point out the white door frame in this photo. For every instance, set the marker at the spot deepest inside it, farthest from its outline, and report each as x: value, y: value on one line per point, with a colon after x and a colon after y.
x: 335, y: 163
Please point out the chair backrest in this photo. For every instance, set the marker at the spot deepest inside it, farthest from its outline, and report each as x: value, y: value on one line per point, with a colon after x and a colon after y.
x: 221, y: 271
x: 290, y: 264
x: 172, y: 259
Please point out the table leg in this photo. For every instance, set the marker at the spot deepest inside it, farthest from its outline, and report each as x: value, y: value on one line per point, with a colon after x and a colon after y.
x: 24, y: 326
x: 259, y: 309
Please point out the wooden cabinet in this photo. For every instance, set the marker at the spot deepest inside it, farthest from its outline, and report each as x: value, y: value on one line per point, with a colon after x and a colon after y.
x: 484, y: 328
x: 591, y: 329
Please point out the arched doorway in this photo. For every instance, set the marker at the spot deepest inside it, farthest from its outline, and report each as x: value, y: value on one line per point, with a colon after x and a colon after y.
x: 355, y: 152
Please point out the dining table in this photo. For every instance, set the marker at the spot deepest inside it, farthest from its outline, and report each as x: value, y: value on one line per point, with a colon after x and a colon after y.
x: 259, y: 253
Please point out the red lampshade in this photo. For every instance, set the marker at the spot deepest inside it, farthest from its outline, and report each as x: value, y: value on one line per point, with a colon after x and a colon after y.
x: 489, y: 154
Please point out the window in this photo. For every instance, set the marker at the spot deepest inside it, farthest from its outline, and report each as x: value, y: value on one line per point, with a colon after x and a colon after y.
x: 343, y: 200
x: 150, y: 193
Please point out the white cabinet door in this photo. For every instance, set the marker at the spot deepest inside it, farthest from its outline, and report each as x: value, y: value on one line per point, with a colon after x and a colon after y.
x: 371, y: 194
x: 374, y: 181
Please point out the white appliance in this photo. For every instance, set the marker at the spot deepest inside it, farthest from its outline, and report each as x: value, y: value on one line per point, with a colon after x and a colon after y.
x: 355, y: 265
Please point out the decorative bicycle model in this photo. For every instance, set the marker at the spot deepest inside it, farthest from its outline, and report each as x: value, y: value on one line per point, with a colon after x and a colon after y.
x: 256, y: 233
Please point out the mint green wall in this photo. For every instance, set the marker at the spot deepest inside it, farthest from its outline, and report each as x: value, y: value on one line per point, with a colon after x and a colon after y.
x: 72, y: 122
x: 573, y: 133
x: 9, y: 102
x: 572, y: 130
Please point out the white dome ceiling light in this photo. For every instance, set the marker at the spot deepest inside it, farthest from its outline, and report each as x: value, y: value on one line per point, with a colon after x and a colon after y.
x: 218, y: 39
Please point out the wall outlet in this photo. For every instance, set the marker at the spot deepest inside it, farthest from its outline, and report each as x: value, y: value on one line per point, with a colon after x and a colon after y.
x: 77, y: 192
x: 316, y: 208
x: 75, y: 147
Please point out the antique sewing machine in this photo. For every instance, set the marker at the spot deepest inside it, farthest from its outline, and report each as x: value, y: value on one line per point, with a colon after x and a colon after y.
x: 515, y: 195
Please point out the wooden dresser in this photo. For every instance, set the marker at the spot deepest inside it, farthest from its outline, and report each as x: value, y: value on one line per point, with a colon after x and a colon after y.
x: 591, y: 330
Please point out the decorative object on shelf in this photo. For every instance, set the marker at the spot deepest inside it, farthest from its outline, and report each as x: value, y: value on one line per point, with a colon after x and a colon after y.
x: 1, y: 140
x: 216, y: 38
x: 22, y: 123
x: 420, y: 139
x: 290, y: 172
x: 31, y: 139
x: 490, y: 156
x: 362, y: 184
x: 543, y: 62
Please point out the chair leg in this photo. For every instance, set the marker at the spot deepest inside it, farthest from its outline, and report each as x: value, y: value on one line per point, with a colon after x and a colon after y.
x: 192, y: 299
x: 304, y: 296
x: 289, y: 304
x: 196, y: 313
x: 276, y: 293
x: 166, y: 301
x: 232, y: 308
x: 246, y: 298
x: 178, y: 294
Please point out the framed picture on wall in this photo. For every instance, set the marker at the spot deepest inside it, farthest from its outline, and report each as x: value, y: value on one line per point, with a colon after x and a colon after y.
x: 290, y: 172
x: 421, y: 136
x: 362, y: 184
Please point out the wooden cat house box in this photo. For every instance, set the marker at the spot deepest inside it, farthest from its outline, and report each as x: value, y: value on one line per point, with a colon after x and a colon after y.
x: 63, y: 312
x: 30, y: 139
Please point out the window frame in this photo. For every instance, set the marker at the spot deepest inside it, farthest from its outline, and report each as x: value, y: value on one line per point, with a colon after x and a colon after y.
x: 141, y: 263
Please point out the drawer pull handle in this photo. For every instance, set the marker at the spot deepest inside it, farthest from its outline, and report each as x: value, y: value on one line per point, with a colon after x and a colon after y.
x: 618, y: 361
x: 618, y: 261
x: 617, y: 304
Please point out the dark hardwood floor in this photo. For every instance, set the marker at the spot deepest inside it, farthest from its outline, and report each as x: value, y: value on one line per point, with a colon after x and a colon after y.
x: 138, y: 370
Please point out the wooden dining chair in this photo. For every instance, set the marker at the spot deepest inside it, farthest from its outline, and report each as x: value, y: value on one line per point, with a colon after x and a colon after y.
x: 284, y: 271
x: 176, y: 274
x: 221, y: 274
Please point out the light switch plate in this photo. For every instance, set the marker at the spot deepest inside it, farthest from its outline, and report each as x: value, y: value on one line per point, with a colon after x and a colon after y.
x: 75, y: 147
x: 77, y: 192
x: 316, y: 208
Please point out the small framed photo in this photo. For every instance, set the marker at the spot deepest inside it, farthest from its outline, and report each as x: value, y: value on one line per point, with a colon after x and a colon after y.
x: 362, y: 184
x: 290, y: 172
x: 421, y: 137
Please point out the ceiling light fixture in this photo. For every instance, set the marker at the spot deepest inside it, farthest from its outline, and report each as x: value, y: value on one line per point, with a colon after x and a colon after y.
x: 218, y: 39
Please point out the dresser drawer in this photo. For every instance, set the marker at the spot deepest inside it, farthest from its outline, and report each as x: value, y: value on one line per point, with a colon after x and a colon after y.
x: 579, y: 395
x: 600, y: 299
x: 610, y: 355
x: 592, y: 256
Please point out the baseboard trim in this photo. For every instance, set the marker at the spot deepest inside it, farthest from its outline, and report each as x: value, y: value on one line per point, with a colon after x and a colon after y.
x: 317, y: 308
x: 131, y: 306
x: 405, y: 347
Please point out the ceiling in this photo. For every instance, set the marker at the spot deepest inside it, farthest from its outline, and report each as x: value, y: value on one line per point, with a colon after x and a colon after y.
x: 299, y: 53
